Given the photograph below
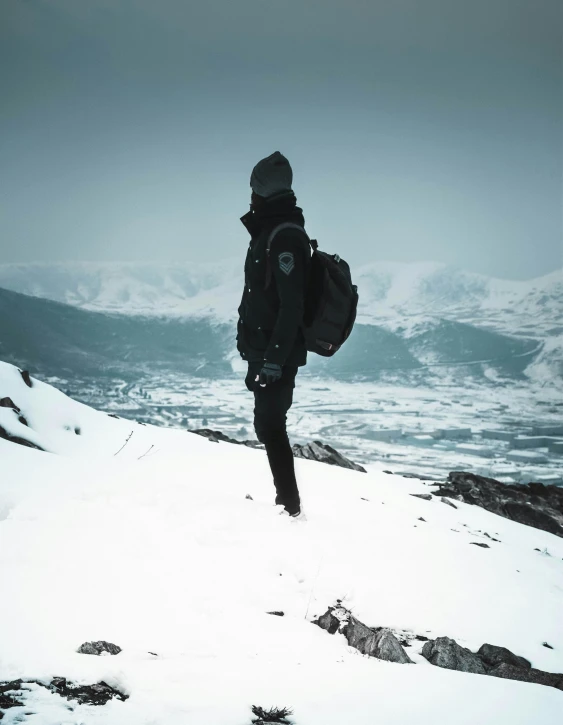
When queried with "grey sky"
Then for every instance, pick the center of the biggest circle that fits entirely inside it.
(417, 129)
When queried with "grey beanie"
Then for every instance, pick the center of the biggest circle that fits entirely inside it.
(271, 176)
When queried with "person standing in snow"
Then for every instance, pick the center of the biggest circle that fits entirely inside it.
(269, 336)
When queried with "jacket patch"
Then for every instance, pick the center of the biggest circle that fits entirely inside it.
(287, 262)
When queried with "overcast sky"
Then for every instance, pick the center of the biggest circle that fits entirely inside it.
(417, 129)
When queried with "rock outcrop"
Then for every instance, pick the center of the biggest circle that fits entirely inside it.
(12, 694)
(377, 642)
(380, 643)
(98, 648)
(216, 435)
(9, 403)
(315, 451)
(97, 694)
(447, 653)
(493, 656)
(9, 692)
(488, 660)
(26, 378)
(524, 674)
(533, 504)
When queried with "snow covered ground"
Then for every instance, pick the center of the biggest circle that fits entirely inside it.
(156, 548)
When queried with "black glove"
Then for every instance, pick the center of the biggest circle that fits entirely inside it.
(270, 373)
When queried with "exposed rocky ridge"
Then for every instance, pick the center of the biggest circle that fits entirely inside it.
(444, 652)
(488, 660)
(377, 642)
(314, 451)
(317, 451)
(533, 504)
(537, 677)
(216, 435)
(447, 653)
(12, 694)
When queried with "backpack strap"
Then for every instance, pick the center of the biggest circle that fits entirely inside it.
(279, 228)
(275, 230)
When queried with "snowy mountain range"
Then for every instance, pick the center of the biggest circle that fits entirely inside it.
(390, 292)
(180, 318)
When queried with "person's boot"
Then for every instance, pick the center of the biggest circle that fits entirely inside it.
(292, 508)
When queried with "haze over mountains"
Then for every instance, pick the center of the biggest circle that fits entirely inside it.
(386, 289)
(116, 317)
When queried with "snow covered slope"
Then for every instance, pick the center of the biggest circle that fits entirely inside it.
(144, 537)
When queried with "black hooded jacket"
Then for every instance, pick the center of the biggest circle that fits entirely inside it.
(271, 310)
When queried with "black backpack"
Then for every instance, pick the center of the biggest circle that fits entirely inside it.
(331, 300)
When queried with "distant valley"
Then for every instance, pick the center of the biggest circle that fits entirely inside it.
(433, 348)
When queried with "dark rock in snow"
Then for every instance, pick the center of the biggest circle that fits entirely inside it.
(96, 648)
(448, 502)
(317, 451)
(545, 644)
(359, 636)
(26, 378)
(215, 436)
(489, 660)
(492, 538)
(492, 656)
(16, 439)
(481, 544)
(389, 648)
(329, 622)
(447, 653)
(424, 496)
(7, 700)
(97, 694)
(277, 614)
(533, 504)
(539, 677)
(9, 403)
(418, 476)
(380, 643)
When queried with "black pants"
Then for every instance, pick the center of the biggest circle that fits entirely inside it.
(271, 404)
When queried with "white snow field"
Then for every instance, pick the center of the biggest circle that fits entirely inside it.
(157, 550)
